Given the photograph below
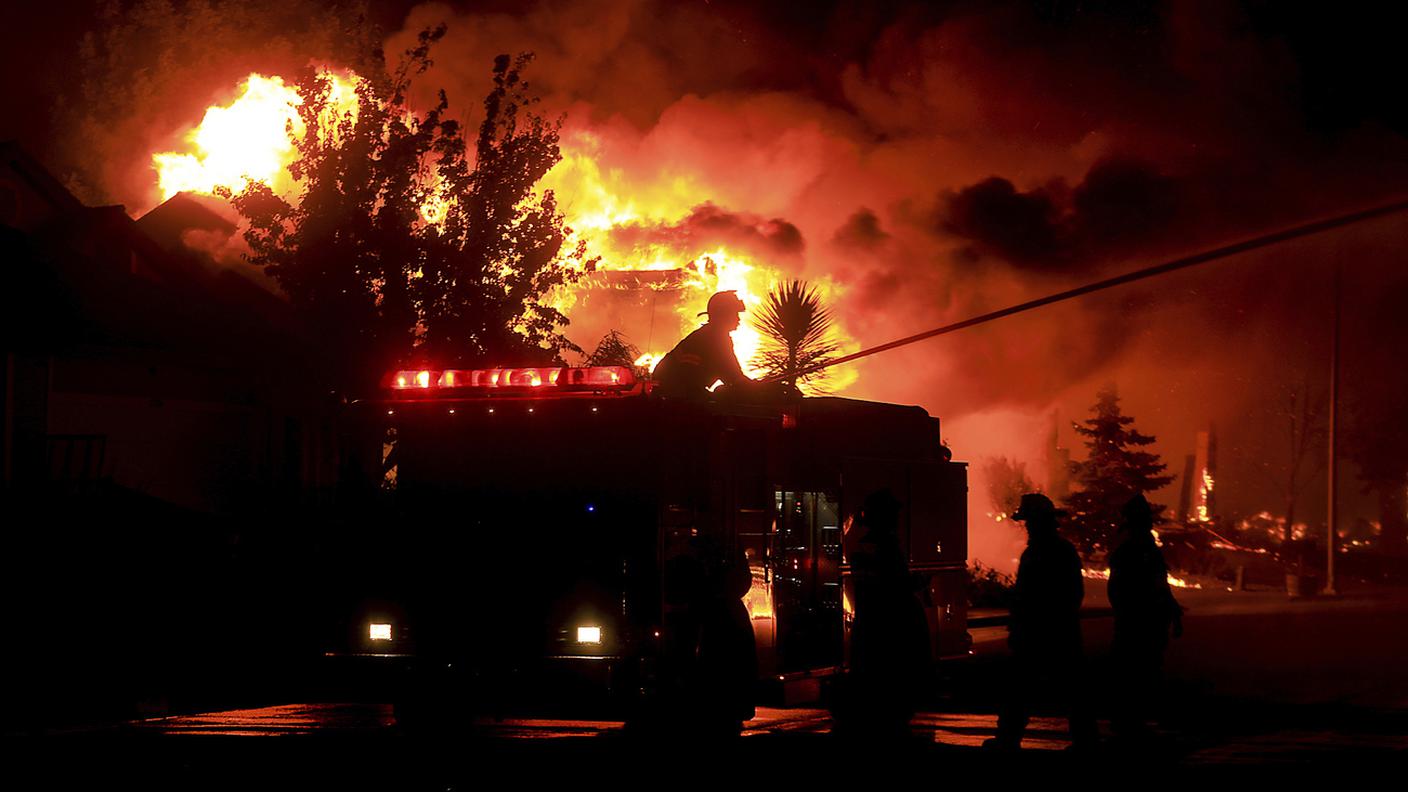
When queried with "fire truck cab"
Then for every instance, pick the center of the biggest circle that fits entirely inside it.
(513, 530)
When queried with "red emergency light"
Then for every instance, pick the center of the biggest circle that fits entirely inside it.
(511, 381)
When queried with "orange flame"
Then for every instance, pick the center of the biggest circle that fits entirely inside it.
(253, 139)
(758, 600)
(1176, 582)
(597, 199)
(250, 139)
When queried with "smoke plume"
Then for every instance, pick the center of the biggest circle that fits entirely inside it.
(935, 162)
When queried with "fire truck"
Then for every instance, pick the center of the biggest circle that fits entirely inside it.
(513, 531)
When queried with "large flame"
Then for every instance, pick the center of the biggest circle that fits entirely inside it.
(597, 200)
(250, 139)
(253, 139)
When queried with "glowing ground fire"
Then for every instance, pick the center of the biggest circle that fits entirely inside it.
(1173, 580)
(252, 139)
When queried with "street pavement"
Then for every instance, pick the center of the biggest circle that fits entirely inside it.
(954, 730)
(1257, 682)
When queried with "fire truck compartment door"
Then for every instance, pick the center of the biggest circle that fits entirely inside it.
(938, 513)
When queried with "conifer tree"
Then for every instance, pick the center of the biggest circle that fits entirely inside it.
(1114, 470)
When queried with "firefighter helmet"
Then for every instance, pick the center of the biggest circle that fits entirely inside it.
(724, 302)
(1034, 505)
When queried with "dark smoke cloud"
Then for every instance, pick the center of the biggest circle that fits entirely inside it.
(708, 227)
(1120, 207)
(861, 232)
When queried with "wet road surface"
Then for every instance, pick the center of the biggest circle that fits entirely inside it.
(1044, 734)
(1256, 683)
(954, 730)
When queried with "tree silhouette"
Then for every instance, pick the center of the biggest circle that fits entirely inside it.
(1306, 431)
(1114, 471)
(402, 243)
(797, 332)
(1007, 482)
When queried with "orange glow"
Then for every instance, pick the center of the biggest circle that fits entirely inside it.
(758, 600)
(1205, 487)
(717, 270)
(597, 199)
(252, 138)
(1104, 574)
(248, 139)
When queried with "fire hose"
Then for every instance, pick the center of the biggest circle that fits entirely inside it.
(1265, 240)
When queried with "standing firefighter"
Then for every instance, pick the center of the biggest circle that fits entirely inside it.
(890, 640)
(1044, 630)
(1145, 610)
(710, 659)
(706, 355)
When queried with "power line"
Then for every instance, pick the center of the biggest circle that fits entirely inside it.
(1266, 240)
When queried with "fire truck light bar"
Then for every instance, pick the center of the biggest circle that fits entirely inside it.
(515, 379)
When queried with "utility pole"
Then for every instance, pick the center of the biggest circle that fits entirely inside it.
(1332, 517)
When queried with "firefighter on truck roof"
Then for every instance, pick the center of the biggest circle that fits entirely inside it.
(706, 355)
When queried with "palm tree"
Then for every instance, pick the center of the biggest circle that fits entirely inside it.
(797, 333)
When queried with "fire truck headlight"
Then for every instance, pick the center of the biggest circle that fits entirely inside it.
(379, 631)
(589, 635)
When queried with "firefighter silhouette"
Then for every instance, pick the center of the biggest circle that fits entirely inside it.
(1145, 611)
(1044, 630)
(706, 355)
(890, 656)
(727, 654)
(710, 654)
